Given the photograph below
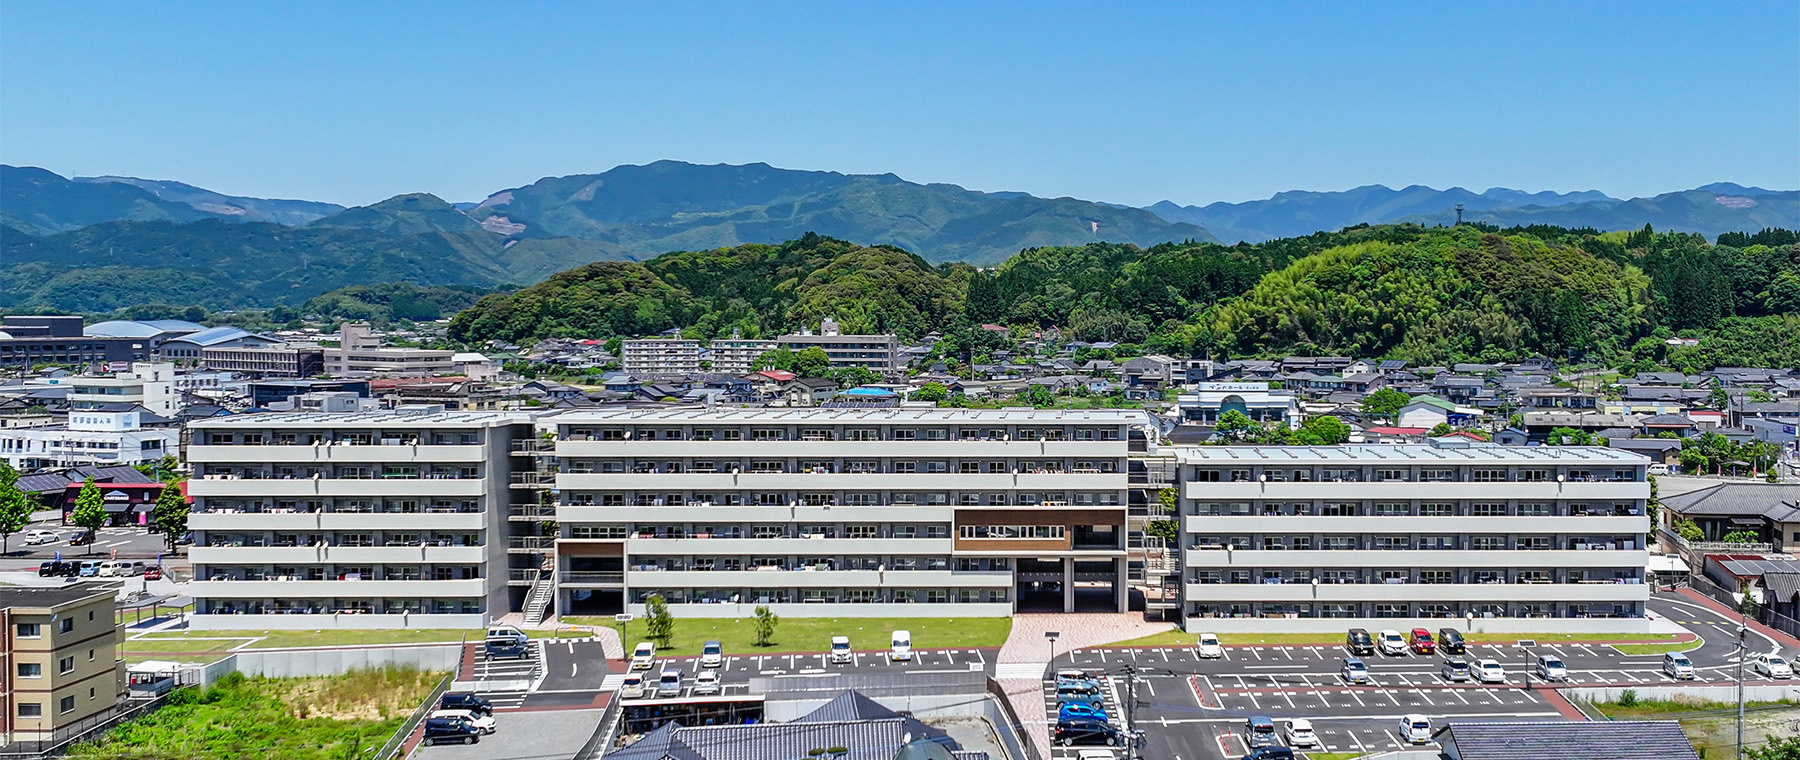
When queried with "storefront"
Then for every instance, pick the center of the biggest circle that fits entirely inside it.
(127, 504)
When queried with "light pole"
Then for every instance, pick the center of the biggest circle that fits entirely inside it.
(1051, 635)
(1743, 628)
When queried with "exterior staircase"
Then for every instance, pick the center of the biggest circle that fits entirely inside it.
(537, 603)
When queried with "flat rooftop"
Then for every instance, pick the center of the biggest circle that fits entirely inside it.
(382, 418)
(1407, 452)
(868, 416)
(46, 597)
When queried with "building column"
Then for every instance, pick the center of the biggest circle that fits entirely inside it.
(1122, 584)
(1068, 564)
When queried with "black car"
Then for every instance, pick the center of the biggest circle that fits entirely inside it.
(59, 569)
(462, 700)
(1450, 641)
(1270, 753)
(82, 539)
(1088, 731)
(454, 730)
(1359, 642)
(505, 650)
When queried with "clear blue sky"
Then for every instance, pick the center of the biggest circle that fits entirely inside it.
(1131, 103)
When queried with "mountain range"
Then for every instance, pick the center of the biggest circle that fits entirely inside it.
(98, 243)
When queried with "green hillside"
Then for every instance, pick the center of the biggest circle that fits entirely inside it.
(42, 201)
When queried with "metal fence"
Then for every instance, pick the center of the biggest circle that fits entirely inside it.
(1764, 615)
(87, 729)
(602, 737)
(392, 748)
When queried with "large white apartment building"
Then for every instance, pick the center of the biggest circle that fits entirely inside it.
(389, 519)
(659, 357)
(1499, 538)
(875, 352)
(147, 384)
(735, 356)
(833, 512)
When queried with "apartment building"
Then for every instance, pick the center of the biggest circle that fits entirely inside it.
(831, 512)
(874, 352)
(735, 356)
(660, 357)
(1500, 538)
(60, 665)
(113, 435)
(370, 519)
(147, 384)
(266, 361)
(360, 354)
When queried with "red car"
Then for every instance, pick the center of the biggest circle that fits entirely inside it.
(153, 573)
(1421, 641)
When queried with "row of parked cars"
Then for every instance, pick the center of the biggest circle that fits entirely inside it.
(460, 718)
(101, 568)
(1081, 717)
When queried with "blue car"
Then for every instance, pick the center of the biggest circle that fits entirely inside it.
(1078, 711)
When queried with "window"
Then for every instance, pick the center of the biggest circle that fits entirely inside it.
(1389, 475)
(30, 670)
(65, 665)
(1487, 543)
(1436, 509)
(33, 709)
(1206, 476)
(90, 655)
(1535, 476)
(1490, 476)
(1390, 509)
(28, 631)
(1437, 576)
(66, 705)
(1437, 476)
(1487, 510)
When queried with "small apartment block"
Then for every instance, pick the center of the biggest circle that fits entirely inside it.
(1500, 538)
(60, 662)
(660, 357)
(388, 519)
(834, 512)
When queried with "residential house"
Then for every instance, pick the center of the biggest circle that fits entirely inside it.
(1660, 450)
(1155, 370)
(808, 391)
(1668, 423)
(1771, 510)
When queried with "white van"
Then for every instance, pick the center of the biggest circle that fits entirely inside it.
(840, 649)
(632, 687)
(505, 634)
(901, 649)
(108, 568)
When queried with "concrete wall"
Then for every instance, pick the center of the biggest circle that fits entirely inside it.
(1622, 626)
(324, 662)
(1723, 694)
(802, 610)
(473, 621)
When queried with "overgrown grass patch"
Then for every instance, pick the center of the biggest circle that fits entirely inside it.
(797, 634)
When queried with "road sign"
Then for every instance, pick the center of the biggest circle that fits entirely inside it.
(1051, 635)
(623, 617)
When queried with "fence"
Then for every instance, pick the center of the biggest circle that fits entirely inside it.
(602, 737)
(1764, 615)
(392, 747)
(88, 728)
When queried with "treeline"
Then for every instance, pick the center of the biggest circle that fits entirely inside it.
(1470, 293)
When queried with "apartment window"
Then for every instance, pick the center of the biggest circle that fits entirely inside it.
(28, 630)
(1437, 576)
(732, 434)
(1338, 611)
(1339, 509)
(1488, 509)
(33, 709)
(859, 499)
(1534, 510)
(66, 705)
(1393, 542)
(1487, 543)
(1338, 543)
(968, 467)
(937, 596)
(1240, 476)
(862, 434)
(1533, 543)
(1436, 509)
(1303, 476)
(1391, 611)
(969, 499)
(65, 665)
(1389, 475)
(1437, 476)
(939, 466)
(1534, 476)
(1437, 542)
(31, 670)
(703, 435)
(1206, 476)
(937, 434)
(1490, 476)
(765, 434)
(1391, 509)
(906, 467)
(862, 531)
(65, 625)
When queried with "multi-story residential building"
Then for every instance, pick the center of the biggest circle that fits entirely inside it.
(28, 341)
(388, 519)
(60, 663)
(1254, 399)
(823, 512)
(147, 384)
(874, 352)
(735, 356)
(266, 361)
(1301, 538)
(660, 357)
(113, 435)
(360, 354)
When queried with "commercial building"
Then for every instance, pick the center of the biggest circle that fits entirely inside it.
(60, 665)
(112, 435)
(360, 354)
(153, 332)
(735, 356)
(831, 512)
(190, 350)
(150, 385)
(1210, 400)
(273, 391)
(27, 341)
(390, 519)
(1304, 538)
(279, 360)
(873, 352)
(660, 357)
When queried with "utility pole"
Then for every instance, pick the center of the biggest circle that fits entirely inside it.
(1743, 628)
(1125, 710)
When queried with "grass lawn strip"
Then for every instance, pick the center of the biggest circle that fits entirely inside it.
(1180, 638)
(797, 634)
(1674, 646)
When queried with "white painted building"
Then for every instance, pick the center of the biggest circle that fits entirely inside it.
(735, 356)
(152, 385)
(360, 354)
(390, 519)
(113, 435)
(842, 512)
(660, 357)
(1325, 538)
(1204, 402)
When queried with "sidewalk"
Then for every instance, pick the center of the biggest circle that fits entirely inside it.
(1715, 605)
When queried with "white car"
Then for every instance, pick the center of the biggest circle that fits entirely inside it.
(1415, 729)
(840, 649)
(706, 682)
(482, 723)
(40, 537)
(1772, 666)
(1300, 733)
(1096, 754)
(712, 655)
(632, 687)
(644, 656)
(1208, 648)
(1489, 671)
(669, 685)
(901, 650)
(1677, 666)
(1392, 643)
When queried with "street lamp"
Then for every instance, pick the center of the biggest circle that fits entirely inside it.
(1051, 635)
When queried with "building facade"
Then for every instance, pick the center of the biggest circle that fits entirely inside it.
(660, 357)
(390, 519)
(1209, 400)
(147, 384)
(28, 341)
(735, 356)
(1325, 538)
(360, 354)
(830, 512)
(97, 437)
(60, 665)
(266, 361)
(873, 352)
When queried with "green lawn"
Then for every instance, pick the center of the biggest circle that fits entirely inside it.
(1673, 646)
(814, 634)
(1178, 638)
(1652, 709)
(143, 646)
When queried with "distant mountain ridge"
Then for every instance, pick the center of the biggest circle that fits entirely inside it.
(279, 211)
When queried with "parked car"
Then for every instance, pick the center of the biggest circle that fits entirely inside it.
(1072, 675)
(1079, 693)
(1677, 666)
(1657, 469)
(1270, 753)
(840, 649)
(632, 687)
(457, 730)
(502, 649)
(1392, 643)
(1300, 733)
(1080, 711)
(131, 568)
(1359, 642)
(1454, 669)
(1354, 671)
(1450, 641)
(41, 537)
(81, 539)
(643, 656)
(1551, 668)
(669, 683)
(1489, 671)
(1072, 732)
(483, 723)
(900, 648)
(1095, 754)
(505, 634)
(1421, 642)
(107, 569)
(90, 568)
(1773, 666)
(462, 700)
(59, 569)
(153, 573)
(712, 654)
(1415, 729)
(1207, 647)
(1259, 731)
(706, 682)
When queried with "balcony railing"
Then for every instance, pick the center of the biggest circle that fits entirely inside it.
(590, 576)
(531, 511)
(530, 542)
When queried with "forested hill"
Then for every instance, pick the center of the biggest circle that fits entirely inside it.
(1403, 291)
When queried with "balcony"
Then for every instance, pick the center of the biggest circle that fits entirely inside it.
(300, 555)
(572, 448)
(1623, 525)
(305, 589)
(223, 520)
(1439, 558)
(1425, 491)
(422, 487)
(591, 578)
(701, 545)
(1417, 592)
(531, 512)
(705, 513)
(335, 452)
(783, 578)
(529, 544)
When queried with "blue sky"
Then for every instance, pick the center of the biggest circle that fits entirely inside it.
(355, 102)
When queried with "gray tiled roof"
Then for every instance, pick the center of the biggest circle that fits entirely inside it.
(849, 720)
(1775, 501)
(1607, 740)
(1782, 586)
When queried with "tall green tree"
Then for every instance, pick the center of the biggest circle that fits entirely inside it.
(765, 625)
(90, 511)
(933, 392)
(1778, 748)
(170, 515)
(15, 506)
(1384, 404)
(1329, 430)
(657, 619)
(1235, 427)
